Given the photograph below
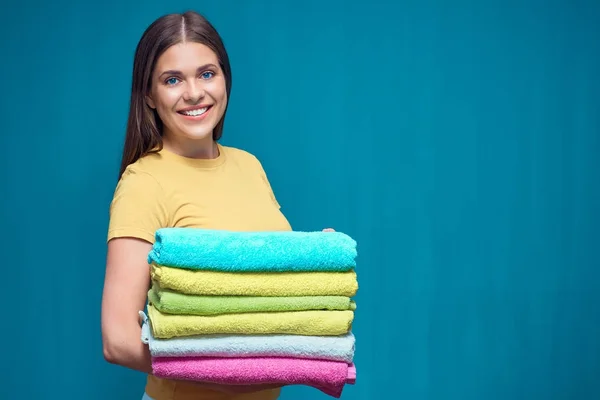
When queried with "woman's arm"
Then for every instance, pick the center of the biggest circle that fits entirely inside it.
(125, 291)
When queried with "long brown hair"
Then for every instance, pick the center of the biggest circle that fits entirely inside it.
(144, 127)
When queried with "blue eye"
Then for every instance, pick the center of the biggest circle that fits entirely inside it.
(171, 81)
(207, 75)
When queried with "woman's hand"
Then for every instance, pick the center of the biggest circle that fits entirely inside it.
(328, 230)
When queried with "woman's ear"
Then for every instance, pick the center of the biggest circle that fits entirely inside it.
(150, 102)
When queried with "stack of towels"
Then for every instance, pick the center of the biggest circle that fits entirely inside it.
(252, 308)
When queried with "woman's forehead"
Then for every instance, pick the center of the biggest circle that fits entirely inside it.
(186, 56)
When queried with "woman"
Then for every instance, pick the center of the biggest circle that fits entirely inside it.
(175, 174)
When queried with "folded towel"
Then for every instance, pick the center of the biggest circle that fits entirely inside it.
(332, 348)
(171, 302)
(326, 376)
(311, 323)
(255, 283)
(219, 250)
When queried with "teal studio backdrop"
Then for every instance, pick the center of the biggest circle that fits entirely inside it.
(456, 141)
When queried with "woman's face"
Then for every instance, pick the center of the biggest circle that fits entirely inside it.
(188, 92)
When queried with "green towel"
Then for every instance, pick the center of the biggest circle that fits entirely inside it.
(172, 302)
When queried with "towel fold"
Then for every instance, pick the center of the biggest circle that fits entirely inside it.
(172, 302)
(220, 250)
(326, 376)
(255, 283)
(332, 348)
(310, 323)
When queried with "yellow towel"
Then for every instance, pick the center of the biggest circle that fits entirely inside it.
(307, 323)
(255, 283)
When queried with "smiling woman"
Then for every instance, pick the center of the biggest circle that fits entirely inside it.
(189, 99)
(180, 65)
(174, 173)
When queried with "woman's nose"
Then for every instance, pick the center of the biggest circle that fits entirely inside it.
(194, 92)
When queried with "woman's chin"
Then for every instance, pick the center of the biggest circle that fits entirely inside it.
(195, 134)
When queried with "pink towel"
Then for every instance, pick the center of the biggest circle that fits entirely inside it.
(327, 376)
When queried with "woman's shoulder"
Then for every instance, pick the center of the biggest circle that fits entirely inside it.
(149, 164)
(238, 152)
(142, 172)
(240, 155)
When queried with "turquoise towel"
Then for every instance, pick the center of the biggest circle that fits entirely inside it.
(281, 251)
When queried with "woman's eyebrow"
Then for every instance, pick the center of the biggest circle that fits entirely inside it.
(176, 72)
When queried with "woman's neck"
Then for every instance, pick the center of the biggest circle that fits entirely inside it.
(204, 148)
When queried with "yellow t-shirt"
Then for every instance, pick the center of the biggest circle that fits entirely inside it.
(229, 192)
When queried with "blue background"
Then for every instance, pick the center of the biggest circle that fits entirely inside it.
(456, 141)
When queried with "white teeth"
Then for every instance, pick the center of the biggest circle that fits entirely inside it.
(195, 113)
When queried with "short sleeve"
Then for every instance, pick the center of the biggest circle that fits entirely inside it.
(267, 184)
(137, 208)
